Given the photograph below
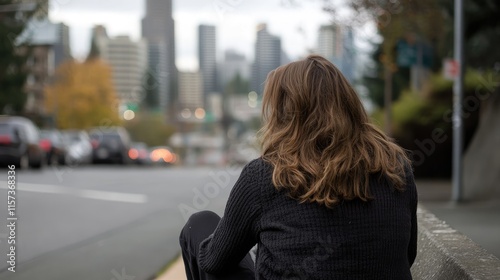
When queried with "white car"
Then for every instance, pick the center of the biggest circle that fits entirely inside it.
(79, 147)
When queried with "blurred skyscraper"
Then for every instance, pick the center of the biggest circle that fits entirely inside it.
(158, 28)
(349, 61)
(207, 60)
(329, 42)
(336, 43)
(190, 91)
(234, 64)
(128, 61)
(268, 56)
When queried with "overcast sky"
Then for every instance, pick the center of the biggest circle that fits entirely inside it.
(236, 22)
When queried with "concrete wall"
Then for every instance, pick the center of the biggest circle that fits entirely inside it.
(482, 158)
(443, 253)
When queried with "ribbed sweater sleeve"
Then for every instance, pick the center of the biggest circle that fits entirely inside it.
(237, 231)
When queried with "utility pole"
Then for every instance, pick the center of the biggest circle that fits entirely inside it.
(457, 103)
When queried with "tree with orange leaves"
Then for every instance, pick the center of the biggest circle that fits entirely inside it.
(82, 95)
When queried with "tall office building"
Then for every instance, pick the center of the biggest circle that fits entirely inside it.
(128, 63)
(329, 42)
(349, 55)
(207, 60)
(158, 28)
(190, 90)
(336, 43)
(267, 57)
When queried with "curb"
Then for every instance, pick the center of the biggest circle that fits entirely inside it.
(175, 272)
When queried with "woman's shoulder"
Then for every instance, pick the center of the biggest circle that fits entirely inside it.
(257, 165)
(258, 174)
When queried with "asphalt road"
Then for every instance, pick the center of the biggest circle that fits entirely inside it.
(104, 222)
(122, 223)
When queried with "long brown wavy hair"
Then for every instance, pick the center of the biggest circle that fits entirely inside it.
(319, 139)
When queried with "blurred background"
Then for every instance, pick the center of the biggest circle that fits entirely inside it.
(124, 117)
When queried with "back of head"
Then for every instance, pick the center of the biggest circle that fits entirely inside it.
(318, 136)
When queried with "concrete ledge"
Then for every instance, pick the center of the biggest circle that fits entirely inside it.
(443, 253)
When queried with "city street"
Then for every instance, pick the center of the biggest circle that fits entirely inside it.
(105, 222)
(122, 223)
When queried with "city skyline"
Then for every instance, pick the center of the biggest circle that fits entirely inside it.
(235, 25)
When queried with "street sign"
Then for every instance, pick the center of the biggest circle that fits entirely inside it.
(406, 54)
(132, 107)
(415, 53)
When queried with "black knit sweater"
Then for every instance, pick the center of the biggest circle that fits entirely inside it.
(353, 240)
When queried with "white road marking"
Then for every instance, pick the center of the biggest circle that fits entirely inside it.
(90, 194)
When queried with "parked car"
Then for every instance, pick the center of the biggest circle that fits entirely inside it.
(19, 144)
(139, 153)
(52, 142)
(110, 145)
(79, 148)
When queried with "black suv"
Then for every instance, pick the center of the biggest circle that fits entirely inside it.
(110, 145)
(19, 143)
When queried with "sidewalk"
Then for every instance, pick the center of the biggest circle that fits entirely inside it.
(479, 220)
(175, 272)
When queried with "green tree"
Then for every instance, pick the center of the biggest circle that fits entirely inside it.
(13, 56)
(373, 79)
(149, 128)
(237, 85)
(482, 31)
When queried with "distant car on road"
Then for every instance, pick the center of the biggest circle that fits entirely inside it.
(79, 146)
(139, 153)
(52, 142)
(19, 144)
(110, 145)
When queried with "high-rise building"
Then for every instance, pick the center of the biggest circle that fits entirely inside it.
(349, 61)
(267, 57)
(157, 68)
(190, 91)
(207, 60)
(49, 47)
(329, 42)
(128, 61)
(158, 28)
(234, 64)
(336, 43)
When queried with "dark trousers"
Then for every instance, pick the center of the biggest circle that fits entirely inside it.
(199, 226)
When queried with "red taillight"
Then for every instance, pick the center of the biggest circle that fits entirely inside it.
(5, 139)
(133, 154)
(45, 145)
(94, 143)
